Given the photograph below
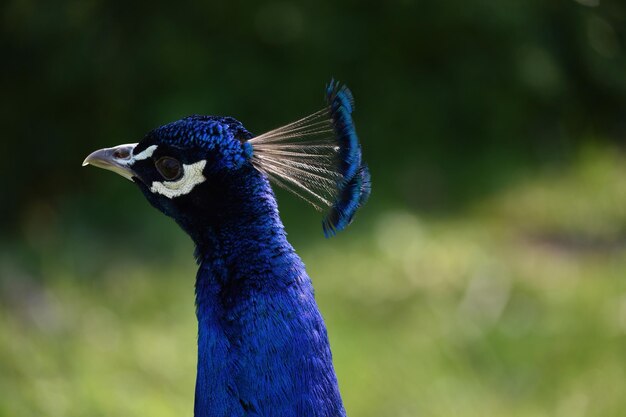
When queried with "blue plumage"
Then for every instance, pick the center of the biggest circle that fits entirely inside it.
(340, 107)
(354, 186)
(210, 133)
(353, 195)
(319, 158)
(262, 343)
(263, 348)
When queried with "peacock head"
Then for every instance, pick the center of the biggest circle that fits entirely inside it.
(179, 166)
(199, 169)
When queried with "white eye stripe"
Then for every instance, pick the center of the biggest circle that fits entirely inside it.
(192, 176)
(145, 154)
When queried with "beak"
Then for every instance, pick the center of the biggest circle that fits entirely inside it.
(117, 159)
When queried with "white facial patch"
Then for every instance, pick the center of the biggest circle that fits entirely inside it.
(192, 176)
(145, 154)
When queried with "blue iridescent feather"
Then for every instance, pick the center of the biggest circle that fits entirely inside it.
(355, 185)
(319, 159)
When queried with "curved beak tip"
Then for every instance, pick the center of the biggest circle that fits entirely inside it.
(109, 159)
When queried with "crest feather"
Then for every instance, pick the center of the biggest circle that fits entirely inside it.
(318, 158)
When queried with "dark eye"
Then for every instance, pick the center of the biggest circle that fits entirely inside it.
(169, 168)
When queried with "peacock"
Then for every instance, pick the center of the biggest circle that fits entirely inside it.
(263, 348)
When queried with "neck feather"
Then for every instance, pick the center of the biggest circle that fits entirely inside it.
(262, 344)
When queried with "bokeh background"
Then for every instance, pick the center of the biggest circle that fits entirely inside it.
(485, 277)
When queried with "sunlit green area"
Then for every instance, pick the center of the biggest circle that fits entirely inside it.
(516, 307)
(485, 277)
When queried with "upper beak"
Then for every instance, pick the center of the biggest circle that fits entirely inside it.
(117, 159)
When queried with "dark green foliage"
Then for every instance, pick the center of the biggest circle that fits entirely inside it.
(454, 97)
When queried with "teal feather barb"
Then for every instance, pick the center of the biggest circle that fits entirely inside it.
(319, 159)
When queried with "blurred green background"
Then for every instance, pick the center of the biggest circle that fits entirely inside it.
(486, 276)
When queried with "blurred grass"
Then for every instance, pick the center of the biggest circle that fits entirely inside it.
(515, 307)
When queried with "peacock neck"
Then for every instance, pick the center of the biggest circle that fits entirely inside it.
(245, 237)
(262, 344)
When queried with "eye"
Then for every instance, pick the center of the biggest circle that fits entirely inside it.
(169, 168)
